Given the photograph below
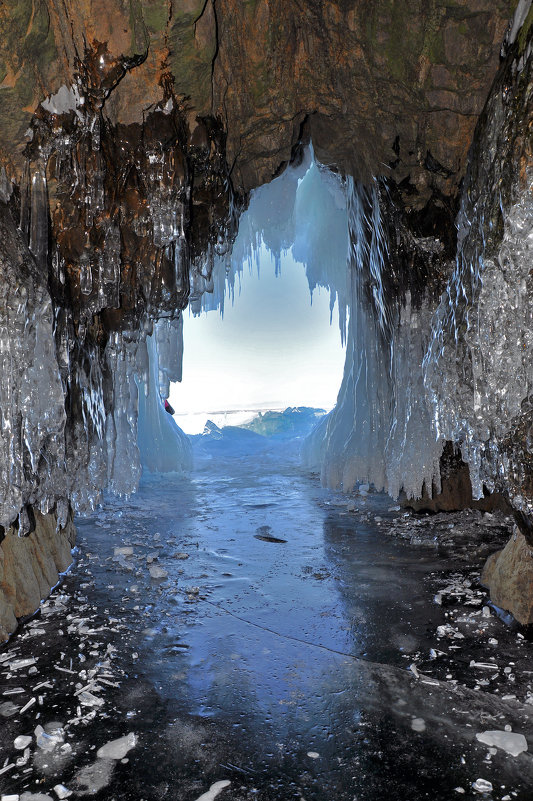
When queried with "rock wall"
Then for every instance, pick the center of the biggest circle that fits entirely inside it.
(30, 567)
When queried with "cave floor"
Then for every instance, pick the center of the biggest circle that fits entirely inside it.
(244, 626)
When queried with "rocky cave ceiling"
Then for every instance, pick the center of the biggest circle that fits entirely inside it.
(392, 87)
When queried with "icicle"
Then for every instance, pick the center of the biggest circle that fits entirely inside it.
(39, 217)
(6, 187)
(86, 276)
(163, 445)
(24, 524)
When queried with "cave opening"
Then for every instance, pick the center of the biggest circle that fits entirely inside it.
(266, 328)
(281, 618)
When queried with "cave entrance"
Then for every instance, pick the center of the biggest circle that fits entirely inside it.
(270, 350)
(261, 334)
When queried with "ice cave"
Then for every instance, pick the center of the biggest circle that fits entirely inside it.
(322, 593)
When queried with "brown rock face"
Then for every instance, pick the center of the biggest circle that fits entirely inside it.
(387, 88)
(390, 88)
(509, 576)
(30, 567)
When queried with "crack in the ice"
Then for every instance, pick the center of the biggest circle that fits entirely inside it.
(284, 636)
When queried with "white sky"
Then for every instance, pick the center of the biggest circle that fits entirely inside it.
(271, 350)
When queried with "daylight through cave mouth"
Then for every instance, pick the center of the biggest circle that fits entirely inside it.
(341, 236)
(262, 330)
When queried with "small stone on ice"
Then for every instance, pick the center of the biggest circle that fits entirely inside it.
(482, 786)
(117, 749)
(22, 741)
(313, 754)
(418, 724)
(508, 741)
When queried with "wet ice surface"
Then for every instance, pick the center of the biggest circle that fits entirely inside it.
(292, 643)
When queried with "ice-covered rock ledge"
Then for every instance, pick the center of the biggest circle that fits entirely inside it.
(30, 567)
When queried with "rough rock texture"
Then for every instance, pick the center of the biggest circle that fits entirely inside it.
(390, 87)
(30, 567)
(509, 576)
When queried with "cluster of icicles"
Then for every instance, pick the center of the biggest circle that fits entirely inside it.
(405, 388)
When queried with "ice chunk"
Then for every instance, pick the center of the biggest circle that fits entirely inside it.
(214, 790)
(157, 572)
(18, 664)
(482, 786)
(117, 749)
(27, 796)
(22, 741)
(93, 778)
(61, 791)
(88, 699)
(48, 741)
(125, 550)
(511, 742)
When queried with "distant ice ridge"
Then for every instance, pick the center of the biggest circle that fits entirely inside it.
(381, 430)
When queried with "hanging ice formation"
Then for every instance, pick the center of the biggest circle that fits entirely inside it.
(303, 212)
(380, 430)
(86, 271)
(163, 445)
(479, 366)
(461, 369)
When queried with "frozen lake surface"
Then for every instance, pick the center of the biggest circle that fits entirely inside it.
(245, 634)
